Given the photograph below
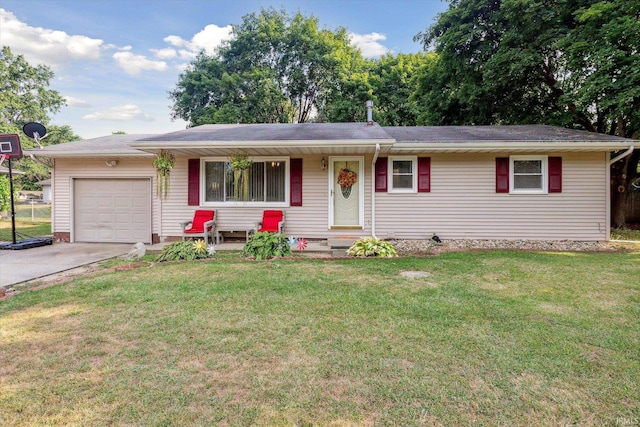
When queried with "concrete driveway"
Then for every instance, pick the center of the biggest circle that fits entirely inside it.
(29, 264)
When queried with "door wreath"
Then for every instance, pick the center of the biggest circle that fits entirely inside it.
(346, 179)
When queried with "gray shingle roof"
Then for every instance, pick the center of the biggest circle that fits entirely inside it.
(277, 132)
(295, 135)
(520, 133)
(104, 145)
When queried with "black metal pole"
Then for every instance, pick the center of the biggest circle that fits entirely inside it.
(13, 208)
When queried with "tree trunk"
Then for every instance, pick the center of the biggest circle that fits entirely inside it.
(618, 208)
(623, 173)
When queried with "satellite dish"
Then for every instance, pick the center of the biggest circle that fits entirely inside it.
(35, 130)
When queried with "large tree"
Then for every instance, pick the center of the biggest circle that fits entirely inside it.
(573, 63)
(276, 68)
(388, 81)
(25, 97)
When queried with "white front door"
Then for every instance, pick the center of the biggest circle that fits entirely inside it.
(346, 192)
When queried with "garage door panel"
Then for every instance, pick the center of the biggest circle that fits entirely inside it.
(138, 203)
(139, 219)
(112, 210)
(123, 202)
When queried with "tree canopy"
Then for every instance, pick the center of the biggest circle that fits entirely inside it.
(26, 97)
(574, 63)
(276, 69)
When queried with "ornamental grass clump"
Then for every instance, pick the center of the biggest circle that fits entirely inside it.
(266, 246)
(372, 247)
(189, 250)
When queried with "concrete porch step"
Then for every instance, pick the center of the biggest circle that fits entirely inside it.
(341, 242)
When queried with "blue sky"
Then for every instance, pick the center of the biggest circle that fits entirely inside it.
(116, 60)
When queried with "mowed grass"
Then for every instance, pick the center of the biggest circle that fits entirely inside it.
(34, 223)
(486, 338)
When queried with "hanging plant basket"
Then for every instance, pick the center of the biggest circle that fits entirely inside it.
(163, 163)
(240, 163)
(346, 179)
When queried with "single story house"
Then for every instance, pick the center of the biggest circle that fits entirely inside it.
(341, 179)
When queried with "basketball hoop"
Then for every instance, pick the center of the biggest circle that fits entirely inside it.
(10, 146)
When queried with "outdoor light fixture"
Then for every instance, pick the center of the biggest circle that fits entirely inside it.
(275, 164)
(324, 163)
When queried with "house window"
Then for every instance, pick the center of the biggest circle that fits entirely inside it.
(403, 174)
(528, 174)
(266, 182)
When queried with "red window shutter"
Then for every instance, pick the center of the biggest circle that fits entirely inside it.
(502, 174)
(424, 174)
(295, 185)
(381, 175)
(193, 186)
(555, 174)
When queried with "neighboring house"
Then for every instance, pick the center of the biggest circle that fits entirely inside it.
(46, 190)
(476, 182)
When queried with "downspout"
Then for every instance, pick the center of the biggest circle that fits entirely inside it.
(373, 191)
(622, 156)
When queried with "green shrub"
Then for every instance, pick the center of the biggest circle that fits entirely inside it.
(188, 250)
(371, 246)
(266, 246)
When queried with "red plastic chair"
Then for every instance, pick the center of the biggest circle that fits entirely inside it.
(203, 224)
(272, 222)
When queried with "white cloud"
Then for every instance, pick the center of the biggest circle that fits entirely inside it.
(166, 53)
(369, 44)
(77, 102)
(122, 113)
(208, 40)
(176, 41)
(45, 46)
(134, 64)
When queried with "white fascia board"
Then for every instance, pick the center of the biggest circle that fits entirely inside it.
(85, 154)
(452, 147)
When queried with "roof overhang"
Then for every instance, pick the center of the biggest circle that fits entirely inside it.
(502, 146)
(266, 148)
(53, 154)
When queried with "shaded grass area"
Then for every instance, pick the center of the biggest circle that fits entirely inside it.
(625, 235)
(493, 338)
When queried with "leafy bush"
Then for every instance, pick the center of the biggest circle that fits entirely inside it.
(371, 246)
(188, 250)
(266, 245)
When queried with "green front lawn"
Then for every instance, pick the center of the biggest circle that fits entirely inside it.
(487, 338)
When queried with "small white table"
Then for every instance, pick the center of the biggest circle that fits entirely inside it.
(220, 236)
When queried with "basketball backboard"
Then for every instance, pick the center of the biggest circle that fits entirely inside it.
(10, 146)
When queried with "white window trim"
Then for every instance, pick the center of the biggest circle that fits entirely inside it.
(545, 175)
(287, 182)
(414, 169)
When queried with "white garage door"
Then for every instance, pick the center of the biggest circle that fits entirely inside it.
(112, 210)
